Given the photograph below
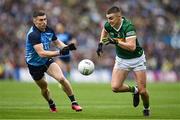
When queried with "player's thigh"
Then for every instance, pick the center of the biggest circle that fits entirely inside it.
(55, 71)
(60, 63)
(140, 77)
(42, 83)
(64, 60)
(118, 77)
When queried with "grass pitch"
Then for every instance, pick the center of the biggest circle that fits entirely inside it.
(23, 101)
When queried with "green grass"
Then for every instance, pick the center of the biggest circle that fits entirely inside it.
(23, 101)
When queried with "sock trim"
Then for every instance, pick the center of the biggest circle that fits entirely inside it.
(135, 90)
(74, 101)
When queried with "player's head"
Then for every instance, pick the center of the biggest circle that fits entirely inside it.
(113, 15)
(40, 19)
(60, 28)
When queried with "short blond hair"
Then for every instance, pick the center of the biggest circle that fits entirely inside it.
(113, 9)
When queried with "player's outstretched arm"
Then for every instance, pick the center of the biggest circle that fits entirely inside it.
(67, 48)
(59, 44)
(45, 53)
(104, 35)
(64, 49)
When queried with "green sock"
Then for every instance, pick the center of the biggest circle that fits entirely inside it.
(131, 89)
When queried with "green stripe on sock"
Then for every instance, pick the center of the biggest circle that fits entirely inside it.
(131, 89)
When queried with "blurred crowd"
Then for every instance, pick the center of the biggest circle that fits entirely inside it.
(157, 23)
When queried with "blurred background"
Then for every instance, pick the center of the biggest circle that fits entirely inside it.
(157, 23)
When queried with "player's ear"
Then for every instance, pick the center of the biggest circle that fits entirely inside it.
(34, 20)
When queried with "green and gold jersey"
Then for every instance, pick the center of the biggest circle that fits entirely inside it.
(125, 30)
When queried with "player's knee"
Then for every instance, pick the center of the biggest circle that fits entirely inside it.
(44, 86)
(142, 91)
(115, 89)
(61, 79)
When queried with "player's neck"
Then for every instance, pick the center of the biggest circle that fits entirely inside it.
(42, 29)
(117, 26)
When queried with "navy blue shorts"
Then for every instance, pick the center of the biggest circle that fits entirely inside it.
(37, 72)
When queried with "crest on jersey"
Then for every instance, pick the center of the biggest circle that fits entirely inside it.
(111, 34)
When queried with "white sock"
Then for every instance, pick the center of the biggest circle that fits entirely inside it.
(136, 90)
(146, 108)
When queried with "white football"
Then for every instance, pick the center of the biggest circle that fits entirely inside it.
(86, 67)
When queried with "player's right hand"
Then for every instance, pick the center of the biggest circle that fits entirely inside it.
(99, 50)
(112, 41)
(105, 41)
(108, 41)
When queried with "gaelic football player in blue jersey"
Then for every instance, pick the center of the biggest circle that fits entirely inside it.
(39, 58)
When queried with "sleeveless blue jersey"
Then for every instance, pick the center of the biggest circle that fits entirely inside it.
(33, 37)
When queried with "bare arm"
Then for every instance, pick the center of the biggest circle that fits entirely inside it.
(104, 34)
(59, 44)
(129, 44)
(43, 53)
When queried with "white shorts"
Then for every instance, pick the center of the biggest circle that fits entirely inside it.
(135, 64)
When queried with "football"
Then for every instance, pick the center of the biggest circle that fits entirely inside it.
(86, 67)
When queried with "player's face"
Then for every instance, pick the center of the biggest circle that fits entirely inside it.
(113, 19)
(60, 28)
(41, 22)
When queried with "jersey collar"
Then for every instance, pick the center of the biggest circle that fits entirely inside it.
(39, 29)
(120, 25)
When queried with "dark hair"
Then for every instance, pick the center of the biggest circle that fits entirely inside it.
(113, 9)
(38, 13)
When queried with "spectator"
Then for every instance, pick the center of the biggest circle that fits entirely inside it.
(157, 23)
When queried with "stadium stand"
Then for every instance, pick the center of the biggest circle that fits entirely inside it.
(157, 23)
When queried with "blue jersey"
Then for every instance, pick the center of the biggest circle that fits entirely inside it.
(65, 38)
(35, 36)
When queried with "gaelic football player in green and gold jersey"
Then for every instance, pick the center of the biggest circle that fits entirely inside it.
(129, 56)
